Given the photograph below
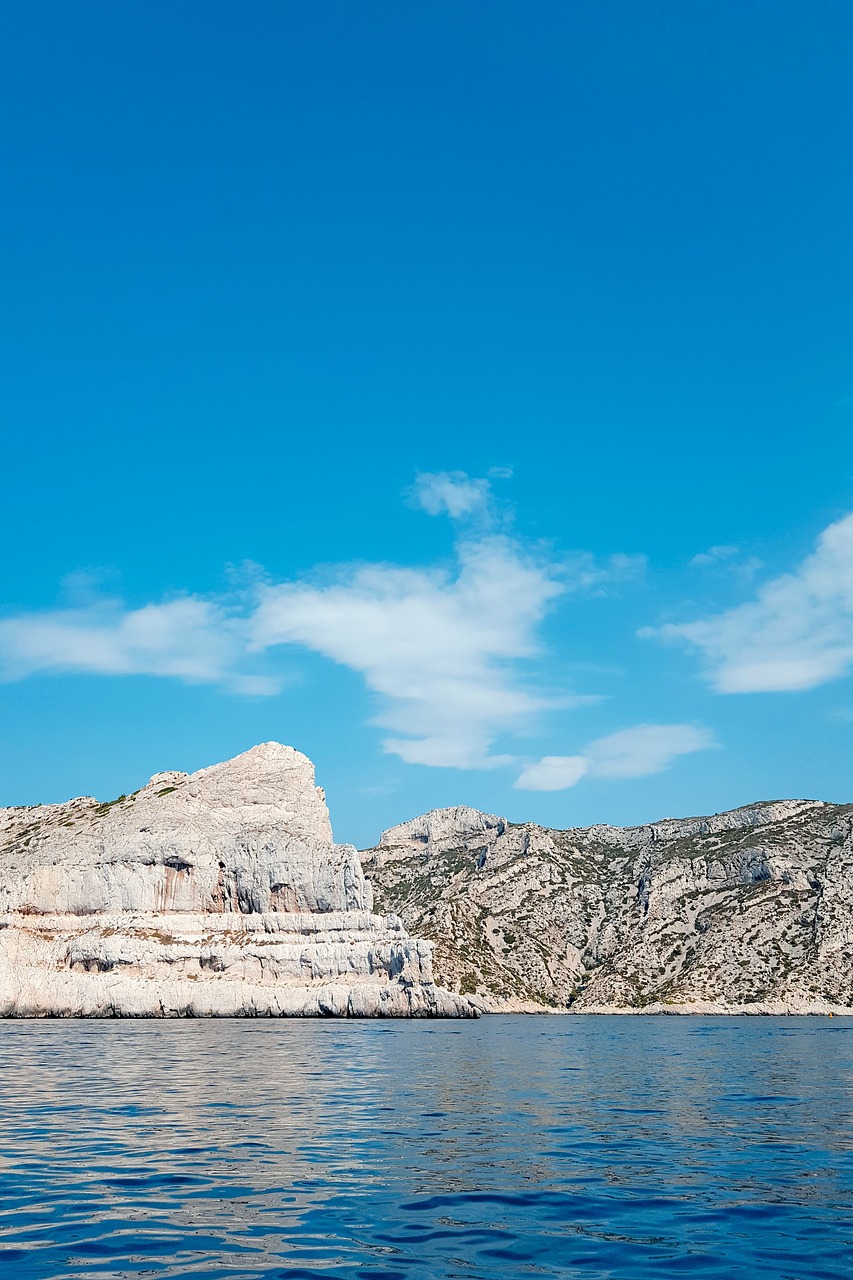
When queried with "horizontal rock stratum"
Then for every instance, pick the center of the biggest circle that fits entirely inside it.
(214, 893)
(749, 911)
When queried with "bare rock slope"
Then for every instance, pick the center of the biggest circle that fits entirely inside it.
(744, 912)
(215, 893)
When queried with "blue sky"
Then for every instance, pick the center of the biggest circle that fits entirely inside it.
(461, 393)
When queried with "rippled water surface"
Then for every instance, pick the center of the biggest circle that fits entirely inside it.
(508, 1147)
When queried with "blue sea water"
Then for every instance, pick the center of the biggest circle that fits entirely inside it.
(509, 1147)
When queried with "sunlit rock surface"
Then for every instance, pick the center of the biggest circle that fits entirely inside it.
(749, 911)
(215, 893)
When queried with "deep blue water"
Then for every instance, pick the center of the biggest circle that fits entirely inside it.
(509, 1147)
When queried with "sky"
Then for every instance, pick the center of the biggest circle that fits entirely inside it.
(460, 393)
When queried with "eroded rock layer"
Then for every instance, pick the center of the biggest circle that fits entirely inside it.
(748, 911)
(215, 893)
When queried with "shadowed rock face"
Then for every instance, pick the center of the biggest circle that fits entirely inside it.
(216, 892)
(747, 911)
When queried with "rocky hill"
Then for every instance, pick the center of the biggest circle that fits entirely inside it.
(223, 892)
(749, 911)
(219, 892)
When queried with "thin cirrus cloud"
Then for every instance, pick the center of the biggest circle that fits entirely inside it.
(447, 650)
(796, 633)
(637, 752)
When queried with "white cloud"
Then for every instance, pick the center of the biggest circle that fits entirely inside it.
(190, 638)
(442, 649)
(644, 749)
(728, 559)
(797, 633)
(447, 651)
(714, 555)
(637, 752)
(587, 572)
(552, 773)
(451, 493)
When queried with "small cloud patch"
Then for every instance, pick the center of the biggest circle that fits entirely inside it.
(637, 752)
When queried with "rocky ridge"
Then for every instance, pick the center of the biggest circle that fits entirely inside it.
(749, 911)
(215, 893)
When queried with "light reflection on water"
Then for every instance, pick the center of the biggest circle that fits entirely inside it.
(510, 1147)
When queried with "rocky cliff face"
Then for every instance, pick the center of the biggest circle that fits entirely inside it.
(747, 911)
(219, 892)
(222, 892)
(251, 835)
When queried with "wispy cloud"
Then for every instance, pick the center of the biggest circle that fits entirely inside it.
(713, 556)
(444, 649)
(451, 493)
(728, 559)
(637, 752)
(552, 773)
(449, 650)
(796, 634)
(192, 639)
(645, 749)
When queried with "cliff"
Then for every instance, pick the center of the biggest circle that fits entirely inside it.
(219, 892)
(223, 893)
(749, 911)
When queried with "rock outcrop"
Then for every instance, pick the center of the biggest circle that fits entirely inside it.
(744, 912)
(215, 893)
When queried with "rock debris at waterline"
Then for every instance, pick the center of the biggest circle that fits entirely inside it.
(219, 893)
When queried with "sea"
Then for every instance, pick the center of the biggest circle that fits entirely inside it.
(398, 1150)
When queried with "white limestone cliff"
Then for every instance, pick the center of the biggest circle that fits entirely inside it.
(219, 892)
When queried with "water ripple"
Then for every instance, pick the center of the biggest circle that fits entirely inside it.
(512, 1147)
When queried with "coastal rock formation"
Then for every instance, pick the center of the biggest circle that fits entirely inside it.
(223, 893)
(749, 911)
(218, 892)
